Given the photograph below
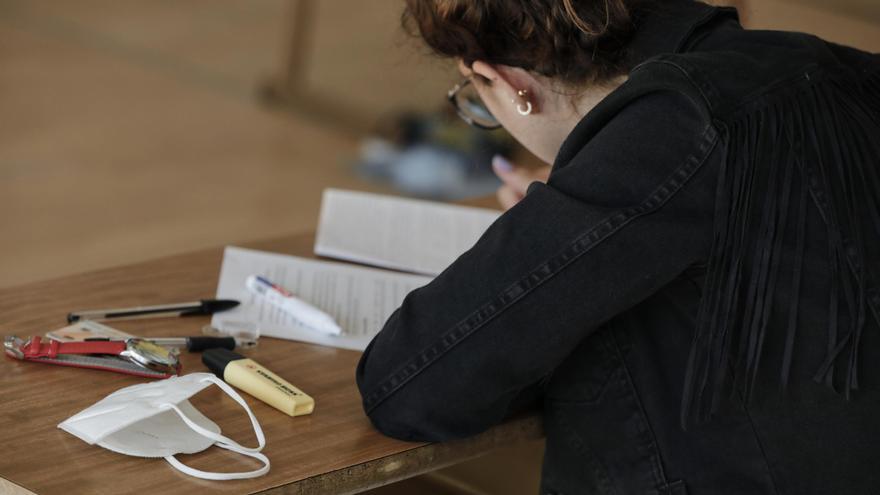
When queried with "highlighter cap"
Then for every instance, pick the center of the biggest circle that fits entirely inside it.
(216, 359)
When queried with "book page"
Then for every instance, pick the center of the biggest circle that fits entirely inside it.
(359, 299)
(403, 234)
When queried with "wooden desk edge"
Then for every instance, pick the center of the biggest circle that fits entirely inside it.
(416, 461)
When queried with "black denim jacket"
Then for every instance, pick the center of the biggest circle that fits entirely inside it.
(693, 295)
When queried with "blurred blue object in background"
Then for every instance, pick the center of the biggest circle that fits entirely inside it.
(433, 156)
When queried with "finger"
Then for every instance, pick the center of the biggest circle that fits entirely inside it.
(507, 197)
(517, 178)
(542, 173)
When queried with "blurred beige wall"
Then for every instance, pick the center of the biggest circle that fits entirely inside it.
(359, 65)
(361, 52)
(351, 61)
(849, 22)
(130, 130)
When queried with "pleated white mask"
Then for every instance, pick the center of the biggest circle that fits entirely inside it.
(157, 420)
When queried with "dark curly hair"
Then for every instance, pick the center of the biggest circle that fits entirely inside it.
(575, 41)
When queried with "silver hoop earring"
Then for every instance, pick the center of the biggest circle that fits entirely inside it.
(519, 108)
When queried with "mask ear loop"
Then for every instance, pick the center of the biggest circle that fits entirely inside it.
(223, 441)
(209, 475)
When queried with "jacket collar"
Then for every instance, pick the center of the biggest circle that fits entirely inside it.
(667, 29)
(670, 27)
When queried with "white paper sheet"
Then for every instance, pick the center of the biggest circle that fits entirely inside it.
(404, 234)
(360, 299)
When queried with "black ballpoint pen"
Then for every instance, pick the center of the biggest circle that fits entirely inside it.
(192, 344)
(203, 307)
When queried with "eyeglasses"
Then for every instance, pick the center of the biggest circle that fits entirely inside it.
(470, 107)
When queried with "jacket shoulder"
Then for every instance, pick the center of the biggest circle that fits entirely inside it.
(736, 71)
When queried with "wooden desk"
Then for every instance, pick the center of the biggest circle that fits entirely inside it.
(334, 450)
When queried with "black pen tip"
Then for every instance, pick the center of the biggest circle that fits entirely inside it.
(211, 306)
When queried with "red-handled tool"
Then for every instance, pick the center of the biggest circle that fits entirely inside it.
(133, 356)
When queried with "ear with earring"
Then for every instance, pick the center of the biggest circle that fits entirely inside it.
(523, 110)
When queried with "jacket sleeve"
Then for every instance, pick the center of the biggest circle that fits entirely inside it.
(625, 216)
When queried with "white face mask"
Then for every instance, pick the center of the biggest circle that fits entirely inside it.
(156, 420)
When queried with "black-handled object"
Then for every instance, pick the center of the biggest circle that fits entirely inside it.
(194, 308)
(192, 344)
(198, 344)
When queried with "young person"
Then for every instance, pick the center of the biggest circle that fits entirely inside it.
(693, 296)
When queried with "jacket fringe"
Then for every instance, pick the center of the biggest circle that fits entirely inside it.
(821, 143)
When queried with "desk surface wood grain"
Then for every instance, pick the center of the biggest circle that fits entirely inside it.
(334, 450)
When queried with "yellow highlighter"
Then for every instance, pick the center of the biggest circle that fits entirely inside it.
(246, 374)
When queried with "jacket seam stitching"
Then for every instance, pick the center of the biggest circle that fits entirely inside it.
(760, 447)
(657, 467)
(707, 92)
(595, 463)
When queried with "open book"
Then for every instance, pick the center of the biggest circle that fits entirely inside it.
(403, 234)
(398, 233)
(360, 299)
